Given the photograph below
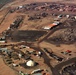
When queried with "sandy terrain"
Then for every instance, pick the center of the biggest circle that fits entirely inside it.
(58, 50)
(30, 25)
(5, 70)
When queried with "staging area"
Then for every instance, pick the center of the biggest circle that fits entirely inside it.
(38, 38)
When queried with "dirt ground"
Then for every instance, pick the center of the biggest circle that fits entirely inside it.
(58, 49)
(33, 25)
(4, 69)
(26, 24)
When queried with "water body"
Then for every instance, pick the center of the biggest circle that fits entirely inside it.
(3, 2)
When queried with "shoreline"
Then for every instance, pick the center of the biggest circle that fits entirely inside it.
(5, 3)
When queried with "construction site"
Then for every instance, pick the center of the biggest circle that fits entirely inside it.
(38, 38)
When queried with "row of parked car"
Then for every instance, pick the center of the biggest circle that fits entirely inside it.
(53, 55)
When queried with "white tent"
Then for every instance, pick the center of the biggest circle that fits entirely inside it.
(30, 63)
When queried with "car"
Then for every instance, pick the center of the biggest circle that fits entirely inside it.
(68, 51)
(45, 49)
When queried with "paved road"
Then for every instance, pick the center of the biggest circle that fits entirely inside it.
(59, 66)
(46, 58)
(47, 61)
(55, 70)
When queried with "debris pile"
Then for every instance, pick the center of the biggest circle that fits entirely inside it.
(67, 36)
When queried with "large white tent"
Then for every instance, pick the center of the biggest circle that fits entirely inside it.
(30, 63)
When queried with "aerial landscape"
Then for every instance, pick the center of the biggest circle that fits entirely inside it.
(37, 37)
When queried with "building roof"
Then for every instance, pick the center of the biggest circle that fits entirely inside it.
(30, 63)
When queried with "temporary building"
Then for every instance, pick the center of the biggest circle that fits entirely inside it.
(56, 23)
(49, 26)
(67, 16)
(52, 25)
(30, 63)
(20, 7)
(2, 41)
(75, 17)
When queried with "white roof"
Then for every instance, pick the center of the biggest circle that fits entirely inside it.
(20, 6)
(30, 63)
(47, 27)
